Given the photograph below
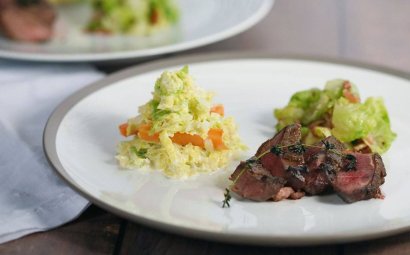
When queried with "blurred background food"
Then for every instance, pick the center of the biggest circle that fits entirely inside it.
(141, 17)
(33, 20)
(65, 1)
(27, 20)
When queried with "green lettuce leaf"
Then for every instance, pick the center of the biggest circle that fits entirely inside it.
(310, 105)
(368, 121)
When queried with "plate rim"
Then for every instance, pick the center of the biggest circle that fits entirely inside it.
(263, 10)
(54, 121)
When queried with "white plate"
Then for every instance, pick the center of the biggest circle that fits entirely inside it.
(202, 23)
(81, 137)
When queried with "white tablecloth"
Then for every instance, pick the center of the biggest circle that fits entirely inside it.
(32, 197)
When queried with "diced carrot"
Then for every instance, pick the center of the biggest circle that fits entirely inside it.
(219, 108)
(127, 130)
(215, 135)
(144, 133)
(123, 129)
(184, 139)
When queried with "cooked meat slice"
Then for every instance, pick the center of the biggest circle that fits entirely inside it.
(43, 11)
(27, 23)
(5, 3)
(358, 181)
(287, 164)
(290, 134)
(283, 168)
(316, 181)
(287, 192)
(301, 170)
(297, 195)
(254, 182)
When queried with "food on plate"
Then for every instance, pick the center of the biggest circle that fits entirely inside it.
(139, 17)
(337, 110)
(179, 131)
(27, 20)
(284, 168)
(33, 20)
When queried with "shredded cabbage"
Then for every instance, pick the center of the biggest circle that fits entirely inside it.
(179, 105)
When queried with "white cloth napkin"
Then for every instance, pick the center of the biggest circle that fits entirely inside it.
(32, 197)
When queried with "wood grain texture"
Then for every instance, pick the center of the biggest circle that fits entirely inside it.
(397, 245)
(142, 240)
(95, 232)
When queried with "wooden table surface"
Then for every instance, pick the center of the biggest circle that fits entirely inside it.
(373, 31)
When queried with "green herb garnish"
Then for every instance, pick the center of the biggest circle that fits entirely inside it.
(297, 148)
(140, 153)
(328, 145)
(276, 150)
(352, 161)
(228, 197)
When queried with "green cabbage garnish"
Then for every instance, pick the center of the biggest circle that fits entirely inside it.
(310, 105)
(368, 121)
(329, 111)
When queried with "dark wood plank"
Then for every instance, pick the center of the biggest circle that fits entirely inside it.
(397, 245)
(95, 232)
(143, 240)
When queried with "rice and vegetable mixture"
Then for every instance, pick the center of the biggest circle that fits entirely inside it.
(179, 131)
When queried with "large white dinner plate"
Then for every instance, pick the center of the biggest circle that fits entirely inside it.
(81, 136)
(202, 22)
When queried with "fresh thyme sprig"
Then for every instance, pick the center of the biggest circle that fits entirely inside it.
(276, 150)
(297, 148)
(227, 194)
(328, 146)
(228, 197)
